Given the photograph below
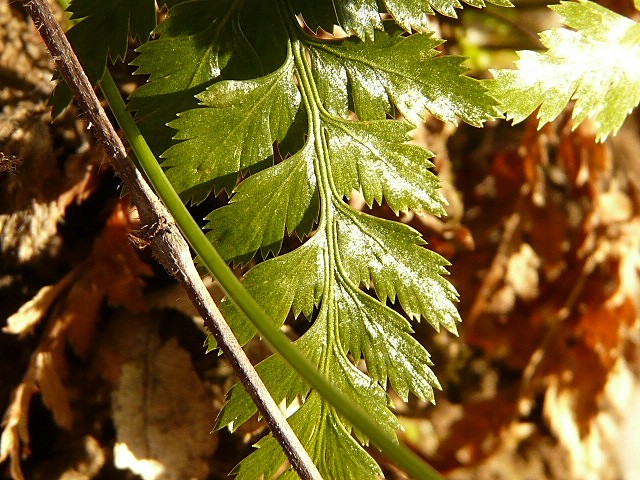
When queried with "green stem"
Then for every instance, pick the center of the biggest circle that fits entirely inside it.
(236, 292)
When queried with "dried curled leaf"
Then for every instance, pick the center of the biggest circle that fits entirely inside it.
(158, 434)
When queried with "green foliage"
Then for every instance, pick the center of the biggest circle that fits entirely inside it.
(597, 64)
(285, 195)
(353, 267)
(362, 17)
(200, 42)
(371, 77)
(102, 30)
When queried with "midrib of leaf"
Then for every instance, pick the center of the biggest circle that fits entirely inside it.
(313, 106)
(330, 202)
(331, 355)
(330, 197)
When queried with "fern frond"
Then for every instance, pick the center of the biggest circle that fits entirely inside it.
(288, 133)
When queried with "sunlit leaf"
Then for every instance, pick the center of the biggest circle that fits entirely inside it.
(371, 78)
(235, 133)
(596, 63)
(200, 42)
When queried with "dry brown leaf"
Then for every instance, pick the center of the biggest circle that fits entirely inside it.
(628, 442)
(470, 433)
(161, 409)
(625, 250)
(585, 162)
(89, 466)
(21, 52)
(523, 454)
(115, 264)
(113, 272)
(31, 313)
(46, 368)
(28, 233)
(592, 455)
(14, 442)
(522, 272)
(554, 310)
(29, 226)
(49, 369)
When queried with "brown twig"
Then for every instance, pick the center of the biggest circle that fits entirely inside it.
(167, 243)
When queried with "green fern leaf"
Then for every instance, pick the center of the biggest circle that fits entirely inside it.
(351, 265)
(355, 17)
(411, 13)
(596, 64)
(357, 323)
(371, 157)
(325, 435)
(293, 281)
(382, 336)
(371, 77)
(103, 31)
(235, 133)
(362, 18)
(200, 42)
(388, 254)
(284, 197)
(322, 432)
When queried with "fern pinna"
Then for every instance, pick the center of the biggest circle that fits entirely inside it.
(250, 82)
